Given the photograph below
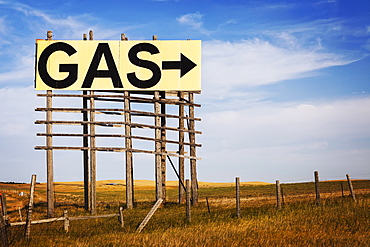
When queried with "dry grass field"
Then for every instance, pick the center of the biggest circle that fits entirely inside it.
(339, 221)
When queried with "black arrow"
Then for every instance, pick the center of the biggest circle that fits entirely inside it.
(184, 65)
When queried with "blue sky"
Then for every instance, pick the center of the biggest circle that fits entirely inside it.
(285, 84)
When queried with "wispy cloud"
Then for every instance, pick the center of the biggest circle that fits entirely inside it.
(257, 62)
(194, 20)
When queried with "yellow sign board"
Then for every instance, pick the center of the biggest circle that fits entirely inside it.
(118, 65)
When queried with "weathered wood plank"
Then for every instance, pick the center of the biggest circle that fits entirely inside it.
(129, 163)
(92, 157)
(114, 135)
(193, 162)
(158, 167)
(115, 124)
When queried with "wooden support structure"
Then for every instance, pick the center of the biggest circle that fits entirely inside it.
(158, 158)
(92, 158)
(181, 149)
(86, 162)
(85, 143)
(90, 132)
(49, 152)
(163, 146)
(193, 162)
(129, 160)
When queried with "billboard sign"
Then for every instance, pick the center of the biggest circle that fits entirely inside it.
(118, 65)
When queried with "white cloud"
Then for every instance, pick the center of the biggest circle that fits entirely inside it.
(285, 136)
(257, 62)
(193, 20)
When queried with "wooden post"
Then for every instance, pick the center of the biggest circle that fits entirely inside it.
(278, 195)
(341, 187)
(352, 192)
(163, 146)
(66, 221)
(92, 156)
(193, 162)
(162, 178)
(30, 207)
(181, 148)
(3, 232)
(123, 37)
(49, 151)
(3, 207)
(188, 204)
(85, 143)
(318, 200)
(149, 215)
(121, 220)
(86, 164)
(208, 207)
(49, 157)
(20, 214)
(129, 165)
(91, 35)
(158, 158)
(237, 186)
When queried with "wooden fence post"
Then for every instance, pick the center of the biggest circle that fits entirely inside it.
(121, 217)
(278, 195)
(351, 187)
(237, 186)
(3, 207)
(20, 214)
(209, 209)
(66, 221)
(3, 232)
(188, 205)
(30, 207)
(318, 200)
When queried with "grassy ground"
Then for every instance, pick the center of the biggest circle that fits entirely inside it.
(337, 222)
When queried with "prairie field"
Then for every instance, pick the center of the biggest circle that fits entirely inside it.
(338, 221)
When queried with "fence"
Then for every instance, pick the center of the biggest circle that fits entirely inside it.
(236, 201)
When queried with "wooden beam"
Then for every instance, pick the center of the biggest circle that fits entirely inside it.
(115, 135)
(158, 167)
(92, 158)
(49, 160)
(114, 124)
(117, 111)
(129, 163)
(133, 99)
(193, 162)
(86, 164)
(163, 146)
(181, 150)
